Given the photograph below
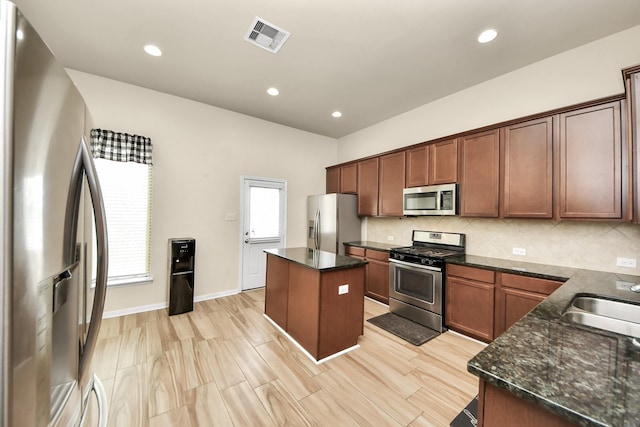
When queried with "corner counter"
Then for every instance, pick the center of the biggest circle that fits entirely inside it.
(317, 298)
(581, 375)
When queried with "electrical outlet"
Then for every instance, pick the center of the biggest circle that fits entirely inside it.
(390, 238)
(626, 262)
(343, 289)
(519, 251)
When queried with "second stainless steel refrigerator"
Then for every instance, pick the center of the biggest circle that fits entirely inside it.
(332, 219)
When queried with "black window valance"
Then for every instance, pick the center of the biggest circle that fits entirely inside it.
(120, 147)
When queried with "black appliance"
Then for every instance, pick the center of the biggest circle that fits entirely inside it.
(182, 254)
(416, 276)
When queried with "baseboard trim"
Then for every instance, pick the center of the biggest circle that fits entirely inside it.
(162, 305)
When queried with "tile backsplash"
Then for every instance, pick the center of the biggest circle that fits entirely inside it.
(578, 244)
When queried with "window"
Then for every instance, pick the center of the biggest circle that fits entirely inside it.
(126, 189)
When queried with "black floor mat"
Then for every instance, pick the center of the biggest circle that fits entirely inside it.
(468, 417)
(406, 329)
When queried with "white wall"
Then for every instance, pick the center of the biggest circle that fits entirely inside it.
(588, 72)
(199, 154)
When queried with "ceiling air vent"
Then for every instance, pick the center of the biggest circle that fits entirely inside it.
(266, 35)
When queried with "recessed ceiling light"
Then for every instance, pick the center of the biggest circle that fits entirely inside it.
(273, 91)
(336, 114)
(487, 35)
(153, 50)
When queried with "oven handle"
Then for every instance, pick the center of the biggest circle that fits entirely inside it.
(415, 266)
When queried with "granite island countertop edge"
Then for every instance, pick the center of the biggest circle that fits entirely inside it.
(316, 259)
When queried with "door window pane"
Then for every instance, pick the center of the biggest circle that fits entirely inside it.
(264, 214)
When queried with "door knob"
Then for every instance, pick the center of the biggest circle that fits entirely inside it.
(246, 240)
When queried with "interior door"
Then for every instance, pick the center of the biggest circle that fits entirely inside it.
(263, 226)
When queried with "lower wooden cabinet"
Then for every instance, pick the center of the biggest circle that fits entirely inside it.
(516, 296)
(470, 301)
(376, 273)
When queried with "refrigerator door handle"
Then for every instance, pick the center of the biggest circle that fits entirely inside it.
(102, 258)
(318, 234)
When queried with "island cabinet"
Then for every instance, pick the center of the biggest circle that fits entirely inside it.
(377, 271)
(470, 301)
(516, 296)
(316, 297)
(527, 169)
(391, 177)
(592, 182)
(497, 408)
(479, 165)
(431, 164)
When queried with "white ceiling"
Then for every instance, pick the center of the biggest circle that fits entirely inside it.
(370, 59)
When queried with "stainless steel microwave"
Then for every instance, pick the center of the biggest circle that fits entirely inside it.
(431, 200)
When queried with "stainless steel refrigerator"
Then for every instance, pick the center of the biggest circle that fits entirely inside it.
(49, 313)
(332, 219)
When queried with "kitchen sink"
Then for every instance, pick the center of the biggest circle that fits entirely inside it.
(617, 316)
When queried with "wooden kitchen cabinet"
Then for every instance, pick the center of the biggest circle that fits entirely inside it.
(478, 167)
(417, 166)
(368, 187)
(391, 183)
(590, 163)
(276, 297)
(443, 162)
(516, 296)
(632, 84)
(332, 177)
(470, 301)
(431, 164)
(527, 169)
(342, 179)
(349, 179)
(376, 273)
(497, 408)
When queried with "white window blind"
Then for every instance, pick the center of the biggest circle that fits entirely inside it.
(126, 189)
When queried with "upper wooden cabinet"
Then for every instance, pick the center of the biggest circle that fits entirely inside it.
(391, 184)
(368, 187)
(443, 162)
(333, 179)
(527, 169)
(417, 166)
(432, 164)
(342, 179)
(478, 167)
(633, 99)
(590, 163)
(349, 179)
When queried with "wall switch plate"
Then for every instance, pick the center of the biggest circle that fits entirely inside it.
(626, 262)
(390, 238)
(230, 216)
(519, 251)
(343, 289)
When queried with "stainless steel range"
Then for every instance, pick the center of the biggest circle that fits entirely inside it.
(416, 276)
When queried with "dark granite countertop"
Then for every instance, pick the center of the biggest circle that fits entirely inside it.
(589, 376)
(543, 271)
(318, 260)
(373, 245)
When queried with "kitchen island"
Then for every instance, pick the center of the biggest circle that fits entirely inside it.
(317, 298)
(547, 371)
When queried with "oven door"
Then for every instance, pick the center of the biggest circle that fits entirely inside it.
(418, 285)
